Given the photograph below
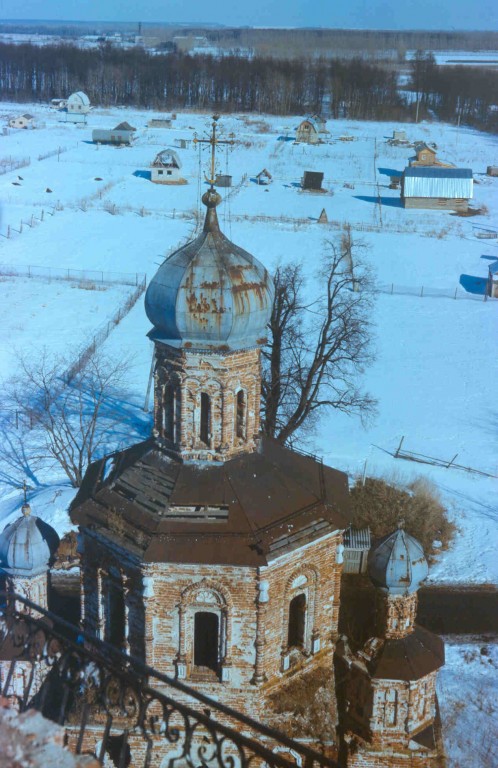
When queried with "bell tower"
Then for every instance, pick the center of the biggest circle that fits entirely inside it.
(209, 303)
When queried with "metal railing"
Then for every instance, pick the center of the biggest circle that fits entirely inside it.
(122, 711)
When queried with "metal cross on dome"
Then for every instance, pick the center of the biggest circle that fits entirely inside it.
(214, 141)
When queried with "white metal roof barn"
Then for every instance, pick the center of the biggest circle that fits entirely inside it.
(438, 182)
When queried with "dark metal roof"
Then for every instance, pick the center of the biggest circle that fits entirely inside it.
(410, 658)
(245, 511)
(430, 171)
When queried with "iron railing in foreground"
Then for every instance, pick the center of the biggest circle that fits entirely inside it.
(123, 711)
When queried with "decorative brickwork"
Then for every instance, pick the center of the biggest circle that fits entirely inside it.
(396, 614)
(206, 405)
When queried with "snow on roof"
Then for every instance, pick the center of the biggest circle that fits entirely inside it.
(124, 126)
(80, 96)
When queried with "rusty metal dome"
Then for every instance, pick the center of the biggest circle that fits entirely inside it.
(397, 563)
(210, 293)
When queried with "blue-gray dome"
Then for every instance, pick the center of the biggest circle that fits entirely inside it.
(27, 545)
(210, 293)
(397, 563)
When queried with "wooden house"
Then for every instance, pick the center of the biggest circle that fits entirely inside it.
(439, 188)
(492, 287)
(159, 122)
(122, 134)
(399, 135)
(264, 177)
(182, 143)
(425, 155)
(312, 181)
(166, 168)
(223, 180)
(22, 121)
(308, 132)
(78, 103)
(492, 170)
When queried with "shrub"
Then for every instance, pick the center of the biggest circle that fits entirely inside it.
(380, 505)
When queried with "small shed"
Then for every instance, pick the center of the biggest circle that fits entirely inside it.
(308, 132)
(264, 177)
(22, 121)
(323, 218)
(399, 135)
(320, 123)
(166, 168)
(78, 103)
(223, 180)
(312, 181)
(439, 188)
(182, 143)
(425, 155)
(492, 287)
(492, 170)
(357, 543)
(122, 134)
(159, 122)
(58, 103)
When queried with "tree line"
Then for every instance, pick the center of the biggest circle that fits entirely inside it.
(353, 88)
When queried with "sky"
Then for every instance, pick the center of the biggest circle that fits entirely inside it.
(372, 14)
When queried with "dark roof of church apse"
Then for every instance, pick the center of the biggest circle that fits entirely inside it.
(246, 511)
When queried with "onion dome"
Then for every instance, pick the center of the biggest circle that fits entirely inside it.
(27, 545)
(210, 293)
(397, 563)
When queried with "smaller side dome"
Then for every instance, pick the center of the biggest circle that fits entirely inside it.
(397, 563)
(27, 545)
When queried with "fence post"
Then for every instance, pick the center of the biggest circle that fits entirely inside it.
(29, 271)
(392, 288)
(422, 291)
(102, 277)
(20, 228)
(42, 215)
(456, 289)
(8, 230)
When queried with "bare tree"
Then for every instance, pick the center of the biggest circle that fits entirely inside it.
(67, 416)
(318, 347)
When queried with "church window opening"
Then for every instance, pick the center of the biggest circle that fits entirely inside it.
(206, 640)
(240, 426)
(297, 621)
(169, 411)
(205, 418)
(390, 708)
(115, 615)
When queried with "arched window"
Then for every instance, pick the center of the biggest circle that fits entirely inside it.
(297, 621)
(240, 415)
(205, 418)
(115, 618)
(168, 411)
(206, 641)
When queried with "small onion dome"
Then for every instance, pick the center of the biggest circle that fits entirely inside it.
(27, 545)
(210, 293)
(397, 563)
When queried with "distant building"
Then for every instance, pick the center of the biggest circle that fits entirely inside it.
(182, 143)
(320, 123)
(122, 134)
(159, 122)
(399, 135)
(166, 168)
(223, 180)
(493, 280)
(492, 170)
(308, 131)
(264, 177)
(439, 188)
(312, 181)
(78, 103)
(22, 121)
(425, 155)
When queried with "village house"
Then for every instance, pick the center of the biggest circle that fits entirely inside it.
(312, 181)
(159, 122)
(122, 135)
(438, 188)
(78, 103)
(165, 169)
(264, 177)
(22, 121)
(308, 131)
(425, 155)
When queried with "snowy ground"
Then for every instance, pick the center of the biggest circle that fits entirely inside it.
(435, 371)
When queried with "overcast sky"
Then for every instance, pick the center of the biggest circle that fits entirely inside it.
(373, 14)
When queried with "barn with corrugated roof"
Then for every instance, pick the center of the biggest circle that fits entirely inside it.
(437, 188)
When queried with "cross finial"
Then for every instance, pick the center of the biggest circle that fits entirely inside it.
(214, 141)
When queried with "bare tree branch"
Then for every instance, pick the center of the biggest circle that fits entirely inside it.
(318, 349)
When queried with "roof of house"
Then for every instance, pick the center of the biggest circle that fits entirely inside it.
(246, 511)
(450, 183)
(431, 172)
(124, 126)
(81, 97)
(421, 146)
(167, 158)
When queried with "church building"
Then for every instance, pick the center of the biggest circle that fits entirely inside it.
(209, 551)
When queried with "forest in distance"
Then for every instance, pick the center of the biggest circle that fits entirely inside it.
(340, 88)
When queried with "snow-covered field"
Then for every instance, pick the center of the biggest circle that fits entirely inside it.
(435, 372)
